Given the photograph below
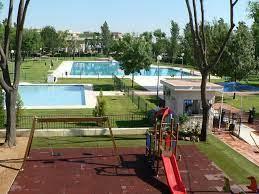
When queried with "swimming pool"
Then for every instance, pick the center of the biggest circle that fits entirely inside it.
(100, 68)
(52, 95)
(238, 87)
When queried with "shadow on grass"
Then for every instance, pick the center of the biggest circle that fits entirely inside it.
(103, 87)
(133, 123)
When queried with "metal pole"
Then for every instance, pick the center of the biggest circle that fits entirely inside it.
(157, 81)
(221, 110)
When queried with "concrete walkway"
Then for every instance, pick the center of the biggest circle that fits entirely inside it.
(248, 135)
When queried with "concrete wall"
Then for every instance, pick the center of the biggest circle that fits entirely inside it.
(175, 99)
(78, 132)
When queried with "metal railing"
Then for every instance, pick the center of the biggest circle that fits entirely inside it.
(139, 101)
(116, 121)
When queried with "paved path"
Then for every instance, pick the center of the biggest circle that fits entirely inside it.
(10, 163)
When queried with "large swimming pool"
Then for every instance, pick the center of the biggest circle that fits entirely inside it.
(238, 87)
(110, 68)
(52, 95)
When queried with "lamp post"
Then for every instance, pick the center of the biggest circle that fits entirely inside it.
(182, 55)
(159, 58)
(12, 53)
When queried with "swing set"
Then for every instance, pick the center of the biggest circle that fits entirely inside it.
(97, 120)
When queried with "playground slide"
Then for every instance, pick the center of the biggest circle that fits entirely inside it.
(173, 177)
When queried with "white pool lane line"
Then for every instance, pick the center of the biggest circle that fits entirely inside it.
(89, 95)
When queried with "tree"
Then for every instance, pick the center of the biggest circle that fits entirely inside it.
(11, 86)
(200, 53)
(215, 36)
(186, 44)
(106, 38)
(31, 41)
(238, 58)
(159, 47)
(254, 13)
(133, 53)
(49, 38)
(173, 46)
(242, 52)
(148, 36)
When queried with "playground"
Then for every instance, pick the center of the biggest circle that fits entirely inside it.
(162, 166)
(96, 170)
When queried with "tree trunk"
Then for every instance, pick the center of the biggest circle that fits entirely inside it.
(10, 139)
(132, 81)
(205, 107)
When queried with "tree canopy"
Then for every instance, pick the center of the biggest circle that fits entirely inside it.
(106, 38)
(49, 38)
(133, 53)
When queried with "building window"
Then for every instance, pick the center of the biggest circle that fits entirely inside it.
(191, 107)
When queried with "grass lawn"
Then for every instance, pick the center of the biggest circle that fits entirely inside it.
(114, 105)
(36, 71)
(120, 109)
(89, 141)
(232, 163)
(248, 102)
(104, 84)
(151, 100)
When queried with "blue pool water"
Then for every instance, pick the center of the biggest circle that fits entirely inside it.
(238, 87)
(109, 68)
(52, 95)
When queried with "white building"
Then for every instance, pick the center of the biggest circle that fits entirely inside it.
(184, 96)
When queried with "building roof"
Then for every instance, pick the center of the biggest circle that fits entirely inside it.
(190, 85)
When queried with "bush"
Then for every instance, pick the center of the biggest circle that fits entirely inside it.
(99, 109)
(192, 131)
(182, 119)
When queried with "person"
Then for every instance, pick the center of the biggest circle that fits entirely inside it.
(251, 115)
(51, 63)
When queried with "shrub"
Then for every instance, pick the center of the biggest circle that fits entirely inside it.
(99, 109)
(19, 110)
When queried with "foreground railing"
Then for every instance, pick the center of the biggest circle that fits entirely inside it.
(116, 121)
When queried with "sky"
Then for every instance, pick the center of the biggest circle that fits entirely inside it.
(122, 15)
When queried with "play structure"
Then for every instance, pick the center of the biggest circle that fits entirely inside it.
(97, 120)
(161, 144)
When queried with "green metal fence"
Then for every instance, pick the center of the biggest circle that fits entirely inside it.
(116, 121)
(139, 101)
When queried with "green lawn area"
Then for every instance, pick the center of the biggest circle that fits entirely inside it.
(248, 102)
(232, 163)
(36, 71)
(89, 141)
(151, 100)
(120, 109)
(104, 84)
(114, 105)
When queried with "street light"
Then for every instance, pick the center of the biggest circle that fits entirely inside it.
(182, 55)
(12, 53)
(159, 58)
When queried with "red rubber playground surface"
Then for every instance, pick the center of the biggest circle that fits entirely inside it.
(96, 170)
